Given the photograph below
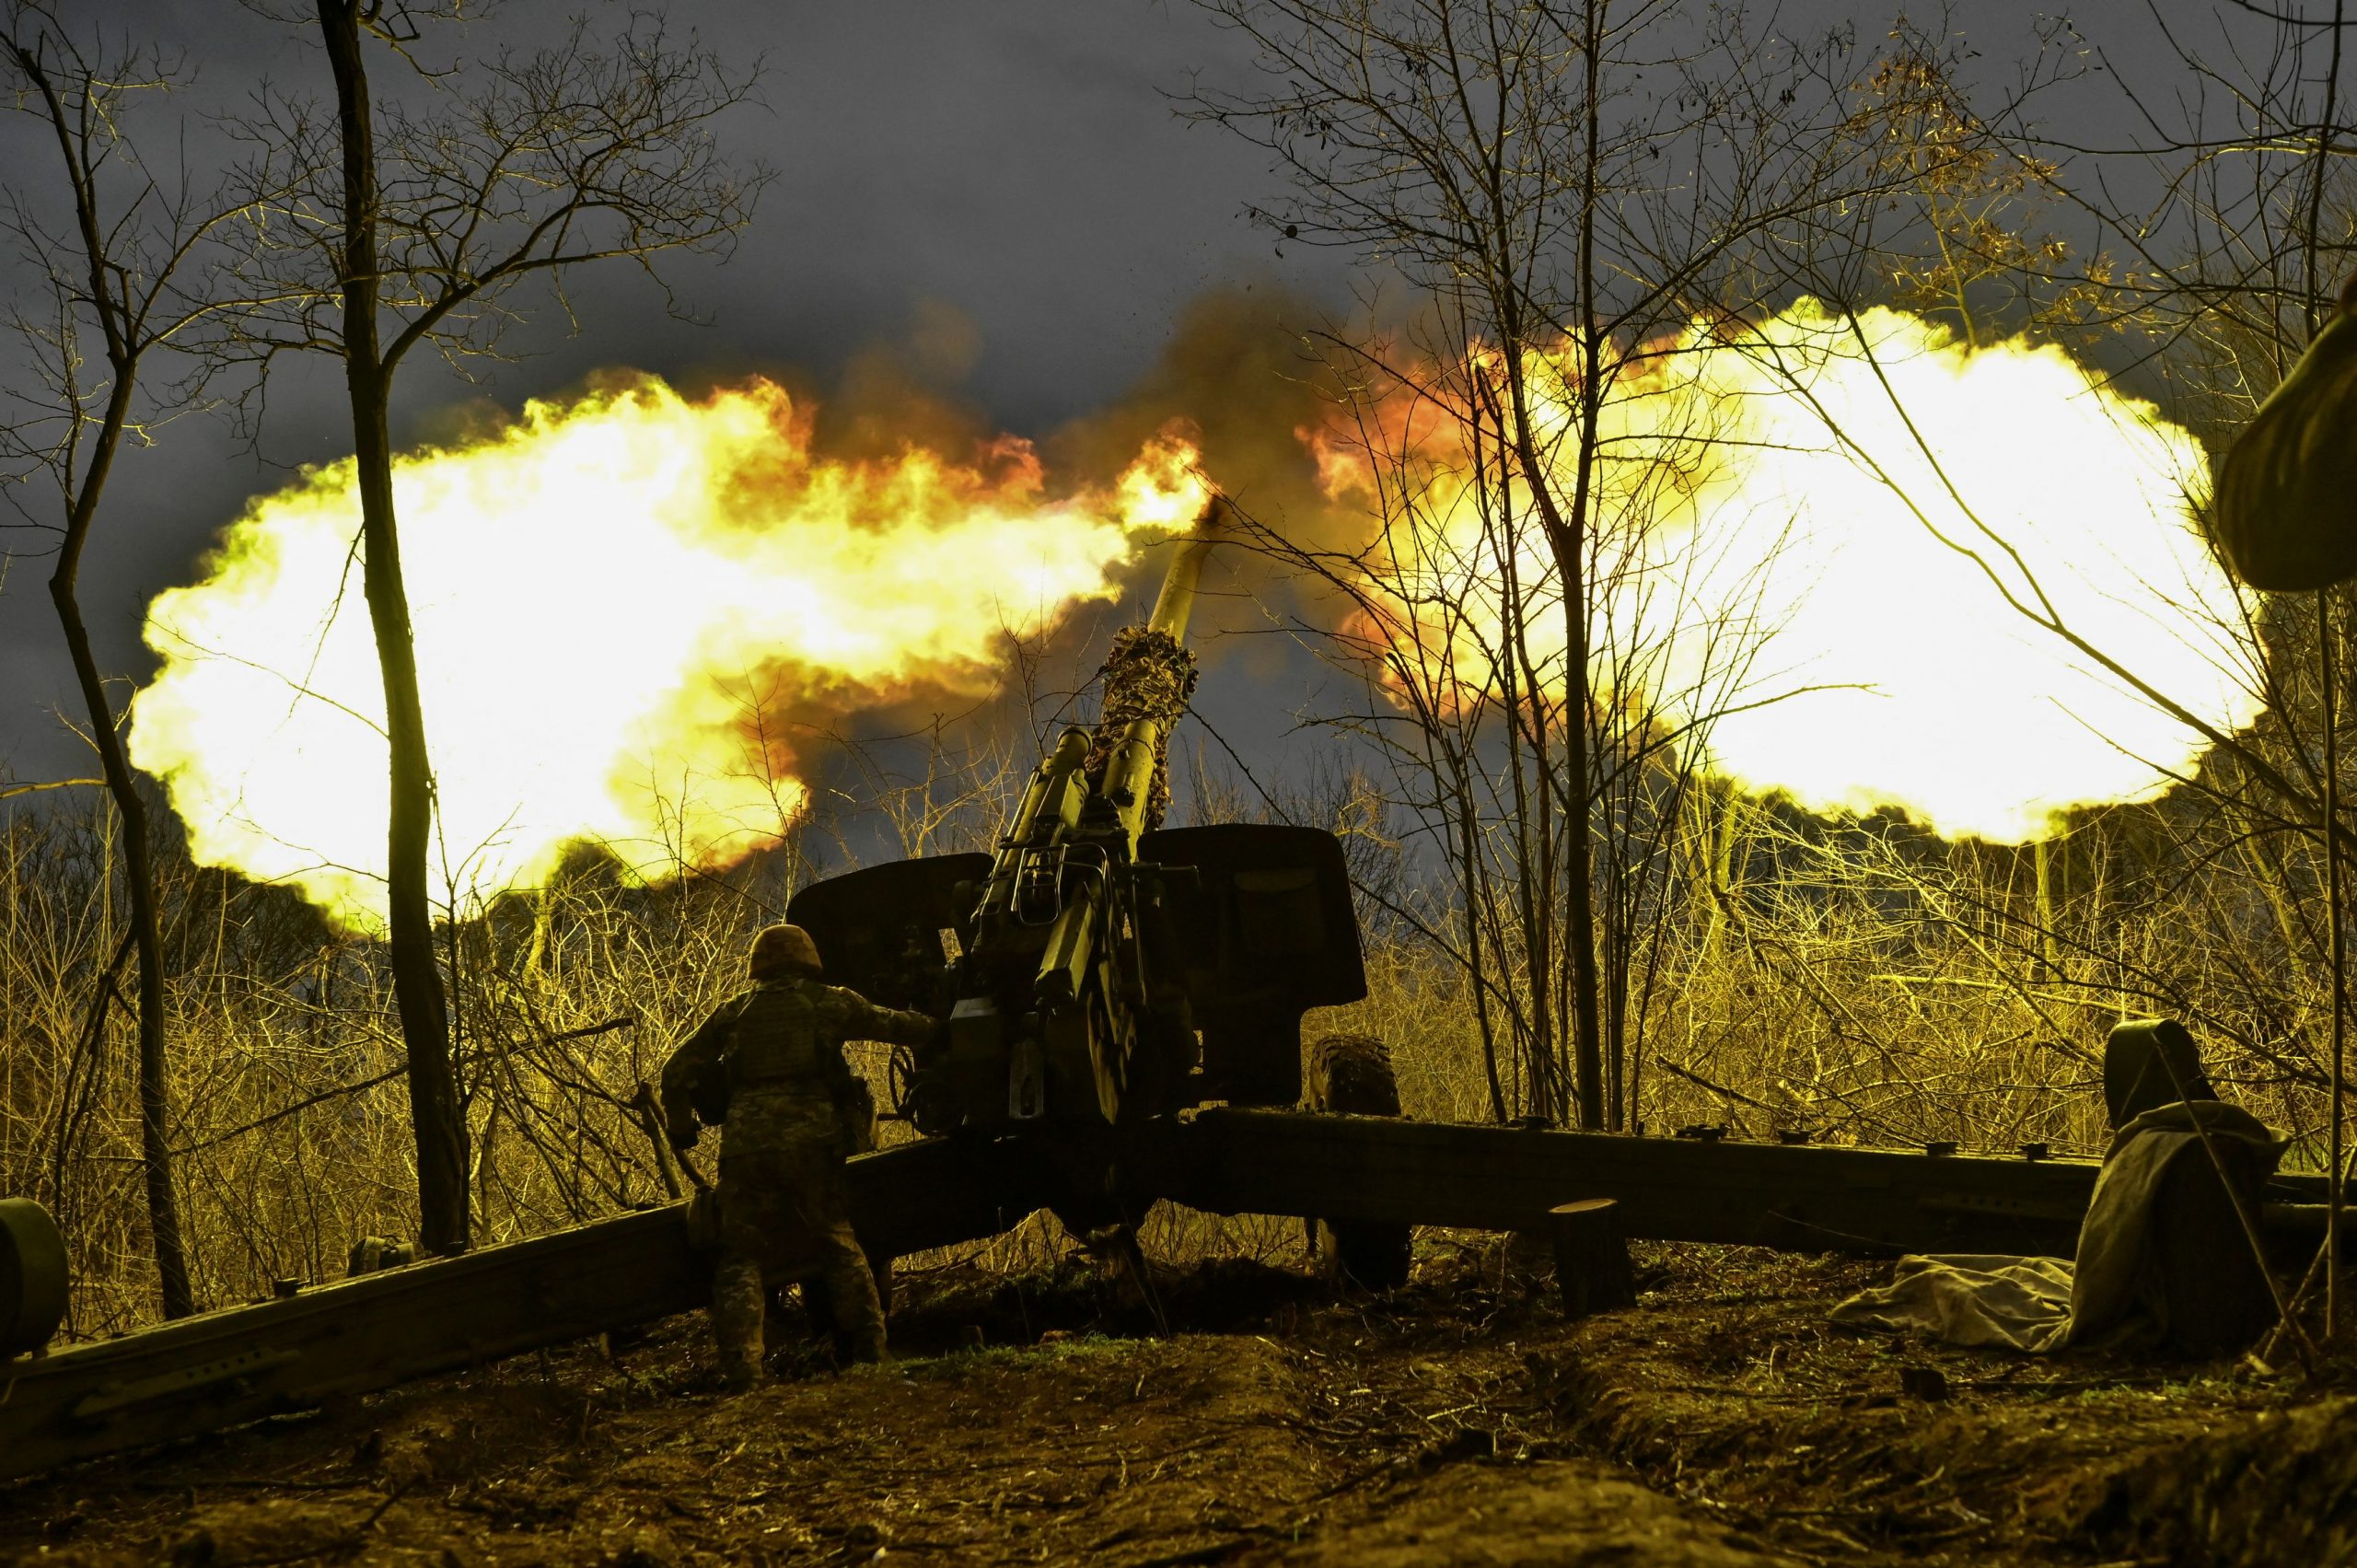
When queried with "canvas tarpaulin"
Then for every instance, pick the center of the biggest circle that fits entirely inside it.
(2114, 1293)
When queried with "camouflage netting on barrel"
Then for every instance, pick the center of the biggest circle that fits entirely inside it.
(1147, 676)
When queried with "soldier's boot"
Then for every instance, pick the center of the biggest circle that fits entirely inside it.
(737, 1306)
(869, 1347)
(858, 1309)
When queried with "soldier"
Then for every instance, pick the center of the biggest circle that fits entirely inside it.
(777, 1048)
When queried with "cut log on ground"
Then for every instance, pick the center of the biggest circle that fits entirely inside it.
(1591, 1256)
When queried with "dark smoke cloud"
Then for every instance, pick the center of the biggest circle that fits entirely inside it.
(1246, 368)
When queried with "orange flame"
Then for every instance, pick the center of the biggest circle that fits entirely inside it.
(614, 601)
(1801, 542)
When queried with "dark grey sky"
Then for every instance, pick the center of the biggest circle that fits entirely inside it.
(1016, 160)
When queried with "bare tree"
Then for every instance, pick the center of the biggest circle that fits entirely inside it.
(2243, 229)
(1566, 185)
(415, 218)
(130, 269)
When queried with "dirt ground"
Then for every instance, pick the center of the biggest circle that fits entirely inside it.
(1460, 1419)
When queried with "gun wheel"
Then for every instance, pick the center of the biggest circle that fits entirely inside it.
(1351, 1074)
(33, 1276)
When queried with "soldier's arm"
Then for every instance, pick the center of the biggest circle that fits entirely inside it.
(694, 1056)
(855, 1017)
(846, 1015)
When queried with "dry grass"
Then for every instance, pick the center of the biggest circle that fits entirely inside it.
(1866, 982)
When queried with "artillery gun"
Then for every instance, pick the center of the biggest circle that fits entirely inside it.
(1123, 1006)
(1099, 973)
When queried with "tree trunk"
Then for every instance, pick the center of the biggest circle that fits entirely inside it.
(1568, 536)
(434, 1111)
(146, 929)
(2047, 966)
(131, 811)
(1567, 540)
(1579, 861)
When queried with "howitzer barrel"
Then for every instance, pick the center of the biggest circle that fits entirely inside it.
(1175, 602)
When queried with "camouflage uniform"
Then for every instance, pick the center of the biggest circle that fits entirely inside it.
(782, 1146)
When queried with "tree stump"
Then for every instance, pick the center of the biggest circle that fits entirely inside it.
(1591, 1256)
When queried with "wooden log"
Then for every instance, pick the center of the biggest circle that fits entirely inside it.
(1591, 1256)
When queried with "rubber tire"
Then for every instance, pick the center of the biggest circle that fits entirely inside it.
(1352, 1074)
(32, 1277)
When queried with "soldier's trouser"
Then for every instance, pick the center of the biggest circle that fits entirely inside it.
(770, 1199)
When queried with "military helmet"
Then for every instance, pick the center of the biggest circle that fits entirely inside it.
(779, 948)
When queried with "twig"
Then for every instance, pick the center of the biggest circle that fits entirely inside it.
(2334, 922)
(347, 1541)
(10, 791)
(285, 1111)
(649, 1118)
(1691, 1076)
